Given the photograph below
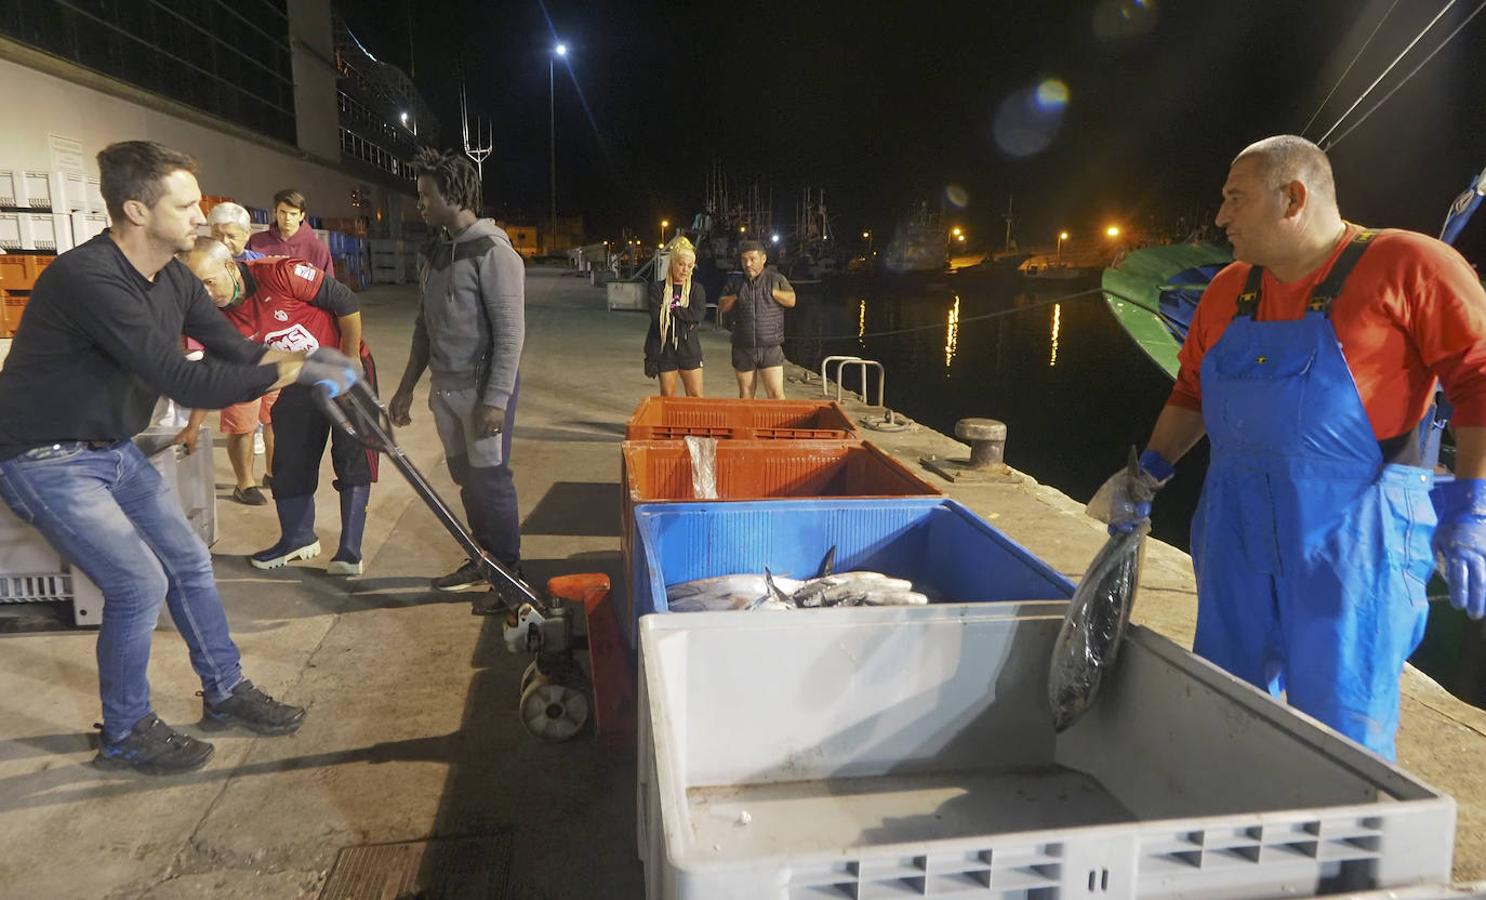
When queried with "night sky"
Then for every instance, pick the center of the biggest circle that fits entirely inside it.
(1141, 104)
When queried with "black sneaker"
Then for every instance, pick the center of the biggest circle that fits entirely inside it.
(465, 578)
(250, 497)
(154, 748)
(253, 710)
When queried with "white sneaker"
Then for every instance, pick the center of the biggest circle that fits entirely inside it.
(258, 447)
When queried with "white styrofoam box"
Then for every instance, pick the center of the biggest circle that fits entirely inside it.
(36, 190)
(627, 295)
(10, 187)
(32, 572)
(86, 226)
(910, 752)
(10, 231)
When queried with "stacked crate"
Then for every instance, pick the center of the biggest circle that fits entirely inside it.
(768, 452)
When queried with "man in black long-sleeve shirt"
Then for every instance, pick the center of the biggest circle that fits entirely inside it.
(99, 344)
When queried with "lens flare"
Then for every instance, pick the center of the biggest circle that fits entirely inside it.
(957, 196)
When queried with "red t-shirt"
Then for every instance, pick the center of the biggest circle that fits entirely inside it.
(1411, 311)
(283, 305)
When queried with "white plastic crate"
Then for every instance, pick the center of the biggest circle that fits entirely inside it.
(629, 295)
(46, 232)
(909, 752)
(10, 187)
(10, 231)
(86, 226)
(32, 572)
(35, 190)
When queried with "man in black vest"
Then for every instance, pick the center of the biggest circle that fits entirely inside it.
(758, 302)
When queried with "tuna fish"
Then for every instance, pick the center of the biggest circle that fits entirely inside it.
(1094, 627)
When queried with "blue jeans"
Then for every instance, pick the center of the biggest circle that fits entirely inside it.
(111, 515)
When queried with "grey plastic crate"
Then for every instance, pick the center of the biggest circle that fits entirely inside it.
(910, 753)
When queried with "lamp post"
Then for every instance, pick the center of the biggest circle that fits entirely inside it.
(559, 50)
(664, 224)
(1062, 236)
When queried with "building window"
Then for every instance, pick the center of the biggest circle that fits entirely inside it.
(228, 59)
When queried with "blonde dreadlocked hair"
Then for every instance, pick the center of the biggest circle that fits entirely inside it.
(668, 331)
(454, 175)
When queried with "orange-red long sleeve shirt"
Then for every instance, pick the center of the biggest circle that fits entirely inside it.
(1412, 311)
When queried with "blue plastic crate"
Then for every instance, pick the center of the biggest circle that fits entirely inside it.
(933, 541)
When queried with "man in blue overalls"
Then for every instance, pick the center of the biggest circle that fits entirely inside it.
(1310, 364)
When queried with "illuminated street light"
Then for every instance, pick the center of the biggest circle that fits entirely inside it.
(866, 234)
(742, 229)
(404, 118)
(1112, 231)
(561, 49)
(960, 238)
(664, 224)
(774, 238)
(1062, 236)
(956, 231)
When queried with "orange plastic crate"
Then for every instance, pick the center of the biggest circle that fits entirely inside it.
(660, 471)
(12, 307)
(671, 418)
(19, 271)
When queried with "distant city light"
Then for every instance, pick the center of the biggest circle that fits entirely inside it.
(561, 49)
(955, 231)
(960, 238)
(774, 238)
(866, 234)
(405, 118)
(1062, 235)
(742, 229)
(1113, 231)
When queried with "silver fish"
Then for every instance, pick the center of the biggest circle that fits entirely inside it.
(1094, 627)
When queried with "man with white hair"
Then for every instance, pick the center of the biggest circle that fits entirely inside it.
(1311, 365)
(231, 224)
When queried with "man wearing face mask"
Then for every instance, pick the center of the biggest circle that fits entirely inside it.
(757, 304)
(288, 304)
(100, 343)
(1310, 365)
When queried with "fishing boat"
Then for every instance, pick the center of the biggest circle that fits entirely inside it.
(1153, 293)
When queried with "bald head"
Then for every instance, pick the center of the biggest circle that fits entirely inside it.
(1285, 158)
(211, 261)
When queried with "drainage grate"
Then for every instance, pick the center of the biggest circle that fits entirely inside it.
(450, 869)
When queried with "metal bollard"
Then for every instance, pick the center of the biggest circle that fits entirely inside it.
(987, 440)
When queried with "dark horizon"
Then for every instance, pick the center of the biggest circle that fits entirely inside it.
(1087, 112)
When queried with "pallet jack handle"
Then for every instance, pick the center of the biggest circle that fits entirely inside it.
(359, 414)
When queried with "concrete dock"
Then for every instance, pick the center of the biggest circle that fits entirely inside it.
(412, 734)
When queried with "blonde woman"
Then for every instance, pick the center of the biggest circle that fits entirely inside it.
(677, 306)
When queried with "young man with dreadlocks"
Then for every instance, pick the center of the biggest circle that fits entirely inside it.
(468, 334)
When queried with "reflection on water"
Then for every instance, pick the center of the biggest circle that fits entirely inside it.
(1057, 326)
(952, 333)
(1072, 407)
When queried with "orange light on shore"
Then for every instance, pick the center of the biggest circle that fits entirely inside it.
(1112, 231)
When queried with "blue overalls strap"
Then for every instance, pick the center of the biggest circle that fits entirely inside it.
(1322, 295)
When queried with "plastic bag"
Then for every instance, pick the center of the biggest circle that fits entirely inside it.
(1094, 627)
(703, 467)
(1126, 496)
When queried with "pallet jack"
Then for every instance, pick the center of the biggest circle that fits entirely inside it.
(559, 695)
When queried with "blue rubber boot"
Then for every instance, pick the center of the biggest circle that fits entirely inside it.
(347, 559)
(297, 534)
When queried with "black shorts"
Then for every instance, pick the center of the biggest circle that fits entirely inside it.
(746, 359)
(685, 354)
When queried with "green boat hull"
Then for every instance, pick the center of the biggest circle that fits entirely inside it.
(1132, 289)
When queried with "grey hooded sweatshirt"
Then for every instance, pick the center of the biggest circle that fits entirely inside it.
(472, 320)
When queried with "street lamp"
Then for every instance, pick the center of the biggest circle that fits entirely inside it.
(1112, 231)
(559, 50)
(664, 224)
(1062, 236)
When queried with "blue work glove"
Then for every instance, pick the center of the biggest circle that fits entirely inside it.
(335, 357)
(334, 378)
(1124, 501)
(1460, 542)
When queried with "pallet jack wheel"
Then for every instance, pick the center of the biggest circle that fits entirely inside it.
(554, 709)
